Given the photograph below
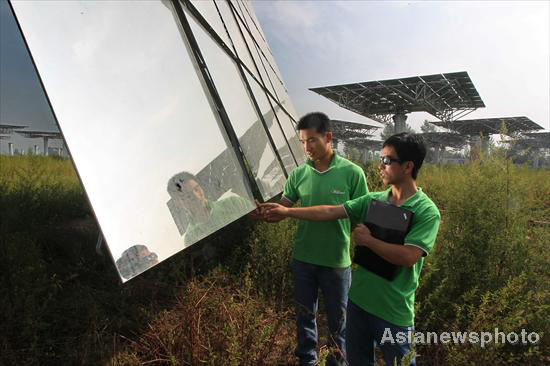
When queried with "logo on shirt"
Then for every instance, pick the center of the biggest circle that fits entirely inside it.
(405, 216)
(335, 191)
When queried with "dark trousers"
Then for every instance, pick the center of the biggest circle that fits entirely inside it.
(334, 283)
(364, 331)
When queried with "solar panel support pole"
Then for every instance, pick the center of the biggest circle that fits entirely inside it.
(399, 122)
(484, 140)
(536, 160)
(367, 155)
(45, 146)
(437, 153)
(35, 149)
(10, 148)
(475, 147)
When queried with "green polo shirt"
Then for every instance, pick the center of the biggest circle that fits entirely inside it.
(324, 243)
(393, 301)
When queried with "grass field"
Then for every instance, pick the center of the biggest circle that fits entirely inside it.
(61, 302)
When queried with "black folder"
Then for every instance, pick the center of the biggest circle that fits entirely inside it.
(388, 223)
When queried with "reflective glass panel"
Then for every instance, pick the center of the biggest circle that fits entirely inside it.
(235, 35)
(245, 8)
(273, 124)
(257, 58)
(290, 132)
(140, 126)
(208, 10)
(242, 114)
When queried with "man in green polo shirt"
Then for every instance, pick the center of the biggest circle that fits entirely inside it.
(321, 258)
(378, 309)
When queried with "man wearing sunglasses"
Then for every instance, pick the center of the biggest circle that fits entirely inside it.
(380, 310)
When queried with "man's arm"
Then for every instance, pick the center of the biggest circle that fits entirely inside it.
(313, 213)
(276, 218)
(259, 214)
(401, 255)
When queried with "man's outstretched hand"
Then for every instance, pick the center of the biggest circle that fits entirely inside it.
(269, 212)
(273, 212)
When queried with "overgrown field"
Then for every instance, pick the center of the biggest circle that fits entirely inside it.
(61, 302)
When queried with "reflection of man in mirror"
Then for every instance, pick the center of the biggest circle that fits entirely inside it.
(204, 216)
(135, 260)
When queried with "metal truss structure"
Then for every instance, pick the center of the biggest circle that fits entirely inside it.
(38, 134)
(490, 126)
(447, 97)
(41, 134)
(361, 143)
(8, 129)
(344, 130)
(539, 140)
(444, 139)
(541, 136)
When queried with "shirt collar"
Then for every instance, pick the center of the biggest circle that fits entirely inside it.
(410, 201)
(334, 160)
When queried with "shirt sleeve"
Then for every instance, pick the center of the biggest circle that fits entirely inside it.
(290, 192)
(359, 186)
(356, 209)
(424, 232)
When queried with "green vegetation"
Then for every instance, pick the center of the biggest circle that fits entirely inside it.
(61, 302)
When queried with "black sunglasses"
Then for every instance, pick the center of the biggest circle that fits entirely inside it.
(387, 160)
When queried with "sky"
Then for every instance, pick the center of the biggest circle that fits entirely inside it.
(504, 47)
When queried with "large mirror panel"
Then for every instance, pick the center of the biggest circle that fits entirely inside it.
(237, 43)
(242, 114)
(290, 132)
(143, 133)
(208, 10)
(273, 124)
(257, 59)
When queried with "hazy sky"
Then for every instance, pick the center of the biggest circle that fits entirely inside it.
(504, 47)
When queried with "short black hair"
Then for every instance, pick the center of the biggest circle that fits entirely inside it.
(177, 182)
(409, 147)
(317, 120)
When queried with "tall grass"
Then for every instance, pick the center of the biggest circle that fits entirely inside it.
(490, 268)
(60, 302)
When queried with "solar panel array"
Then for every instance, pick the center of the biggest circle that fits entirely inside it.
(489, 126)
(345, 129)
(446, 96)
(37, 134)
(544, 136)
(538, 140)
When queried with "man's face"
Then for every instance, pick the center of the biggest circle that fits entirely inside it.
(316, 145)
(395, 172)
(195, 193)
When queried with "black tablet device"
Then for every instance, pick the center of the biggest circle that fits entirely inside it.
(388, 223)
